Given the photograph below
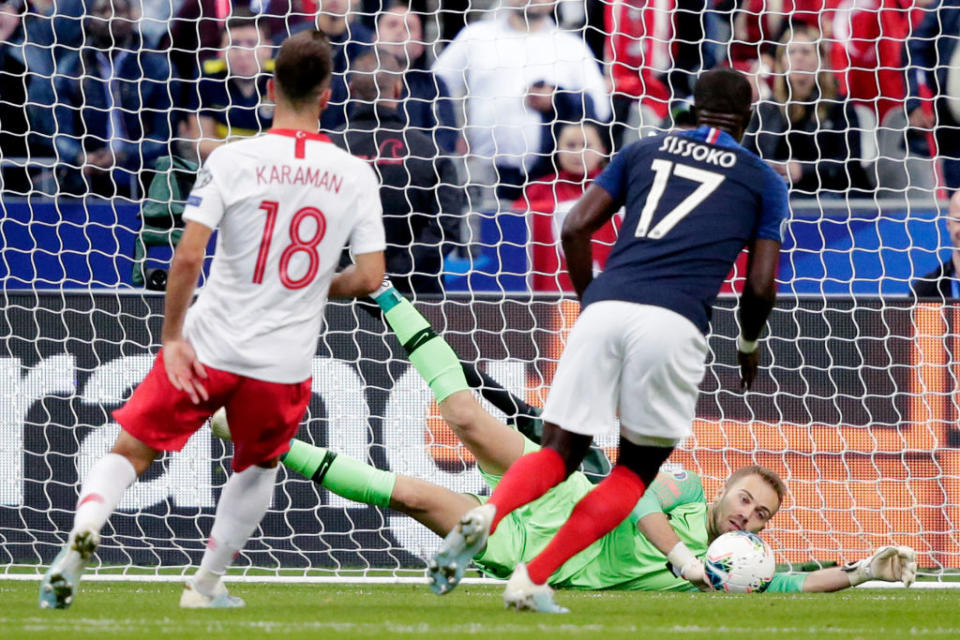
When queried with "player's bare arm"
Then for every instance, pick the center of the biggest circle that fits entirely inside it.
(360, 278)
(591, 212)
(756, 302)
(179, 358)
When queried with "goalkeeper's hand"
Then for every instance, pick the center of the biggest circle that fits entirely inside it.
(694, 572)
(890, 564)
(688, 566)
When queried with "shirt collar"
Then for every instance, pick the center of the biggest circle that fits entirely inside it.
(300, 134)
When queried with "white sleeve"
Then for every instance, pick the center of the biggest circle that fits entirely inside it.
(368, 235)
(594, 85)
(451, 65)
(205, 204)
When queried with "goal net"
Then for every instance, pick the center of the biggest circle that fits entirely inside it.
(106, 111)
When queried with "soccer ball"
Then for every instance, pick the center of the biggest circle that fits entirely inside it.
(739, 562)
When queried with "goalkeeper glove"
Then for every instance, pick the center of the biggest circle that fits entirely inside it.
(890, 564)
(688, 566)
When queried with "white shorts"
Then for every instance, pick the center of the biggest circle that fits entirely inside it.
(640, 362)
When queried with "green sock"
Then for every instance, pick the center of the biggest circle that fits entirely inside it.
(440, 367)
(341, 474)
(429, 353)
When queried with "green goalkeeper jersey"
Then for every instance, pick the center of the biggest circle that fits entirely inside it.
(624, 558)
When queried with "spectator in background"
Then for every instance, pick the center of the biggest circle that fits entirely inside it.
(283, 17)
(46, 31)
(654, 50)
(868, 52)
(808, 132)
(37, 34)
(231, 92)
(156, 18)
(421, 197)
(349, 39)
(426, 99)
(580, 157)
(112, 107)
(758, 26)
(14, 126)
(868, 57)
(933, 60)
(638, 56)
(944, 281)
(501, 66)
(196, 34)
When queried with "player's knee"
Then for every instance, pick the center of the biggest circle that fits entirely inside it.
(460, 411)
(410, 497)
(140, 455)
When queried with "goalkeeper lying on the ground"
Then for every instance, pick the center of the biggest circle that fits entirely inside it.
(665, 536)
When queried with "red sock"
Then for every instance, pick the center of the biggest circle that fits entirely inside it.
(526, 480)
(597, 514)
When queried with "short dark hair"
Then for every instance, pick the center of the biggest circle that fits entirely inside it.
(724, 91)
(303, 65)
(374, 75)
(243, 17)
(390, 5)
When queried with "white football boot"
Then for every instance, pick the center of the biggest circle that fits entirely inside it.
(60, 582)
(466, 540)
(523, 594)
(191, 598)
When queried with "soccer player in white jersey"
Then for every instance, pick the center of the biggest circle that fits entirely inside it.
(285, 204)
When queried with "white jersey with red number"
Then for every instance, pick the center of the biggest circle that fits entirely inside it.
(285, 204)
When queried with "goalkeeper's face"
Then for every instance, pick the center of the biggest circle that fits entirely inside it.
(746, 505)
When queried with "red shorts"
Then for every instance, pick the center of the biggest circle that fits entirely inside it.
(263, 416)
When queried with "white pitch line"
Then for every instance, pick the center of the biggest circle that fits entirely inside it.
(873, 584)
(112, 626)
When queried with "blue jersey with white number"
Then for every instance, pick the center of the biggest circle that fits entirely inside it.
(693, 200)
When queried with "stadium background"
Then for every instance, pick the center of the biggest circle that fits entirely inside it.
(857, 409)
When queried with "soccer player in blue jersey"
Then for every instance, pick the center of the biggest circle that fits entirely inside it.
(693, 200)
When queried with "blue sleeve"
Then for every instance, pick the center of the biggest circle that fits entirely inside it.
(614, 177)
(66, 140)
(447, 131)
(775, 207)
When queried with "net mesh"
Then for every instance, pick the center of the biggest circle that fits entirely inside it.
(108, 107)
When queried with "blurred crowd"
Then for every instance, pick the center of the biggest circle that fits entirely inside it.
(513, 102)
(853, 95)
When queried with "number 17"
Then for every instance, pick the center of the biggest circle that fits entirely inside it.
(709, 181)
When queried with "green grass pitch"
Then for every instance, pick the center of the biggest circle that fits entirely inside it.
(149, 610)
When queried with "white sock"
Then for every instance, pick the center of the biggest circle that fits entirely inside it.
(101, 491)
(383, 288)
(242, 505)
